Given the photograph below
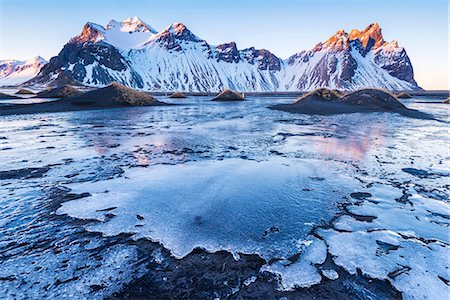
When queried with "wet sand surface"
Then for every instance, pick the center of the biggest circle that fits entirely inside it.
(94, 203)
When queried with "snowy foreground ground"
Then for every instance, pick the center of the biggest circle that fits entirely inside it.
(116, 202)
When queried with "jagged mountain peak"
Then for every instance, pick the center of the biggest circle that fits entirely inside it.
(128, 34)
(35, 60)
(370, 38)
(371, 32)
(39, 59)
(174, 28)
(231, 46)
(179, 31)
(133, 24)
(178, 27)
(339, 41)
(91, 32)
(354, 34)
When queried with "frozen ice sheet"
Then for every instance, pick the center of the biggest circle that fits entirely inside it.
(237, 205)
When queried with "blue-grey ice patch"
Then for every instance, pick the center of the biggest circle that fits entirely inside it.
(237, 205)
(420, 218)
(330, 274)
(405, 243)
(301, 273)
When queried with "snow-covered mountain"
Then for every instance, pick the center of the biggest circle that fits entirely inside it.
(14, 72)
(133, 53)
(351, 61)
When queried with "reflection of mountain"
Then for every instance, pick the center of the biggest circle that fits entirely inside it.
(133, 53)
(125, 132)
(344, 144)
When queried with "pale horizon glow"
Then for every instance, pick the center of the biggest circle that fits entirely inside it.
(30, 28)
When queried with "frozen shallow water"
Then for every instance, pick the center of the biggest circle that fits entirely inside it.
(266, 207)
(223, 176)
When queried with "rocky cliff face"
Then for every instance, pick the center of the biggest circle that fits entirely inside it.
(133, 53)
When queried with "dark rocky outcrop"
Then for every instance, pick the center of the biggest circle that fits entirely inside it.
(178, 95)
(397, 64)
(24, 92)
(228, 95)
(328, 102)
(264, 59)
(80, 55)
(447, 101)
(228, 53)
(59, 92)
(7, 96)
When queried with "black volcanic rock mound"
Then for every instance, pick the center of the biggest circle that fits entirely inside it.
(328, 102)
(59, 92)
(321, 94)
(446, 101)
(373, 99)
(114, 95)
(6, 96)
(229, 95)
(403, 96)
(24, 92)
(178, 95)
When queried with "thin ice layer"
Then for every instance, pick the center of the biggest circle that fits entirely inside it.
(237, 205)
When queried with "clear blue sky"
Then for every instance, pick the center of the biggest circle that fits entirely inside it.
(41, 27)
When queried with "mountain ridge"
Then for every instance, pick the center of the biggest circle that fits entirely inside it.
(133, 53)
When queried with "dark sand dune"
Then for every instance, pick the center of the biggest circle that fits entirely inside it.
(59, 92)
(328, 102)
(6, 96)
(178, 95)
(403, 96)
(229, 95)
(114, 95)
(24, 92)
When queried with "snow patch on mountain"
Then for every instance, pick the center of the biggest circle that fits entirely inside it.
(14, 72)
